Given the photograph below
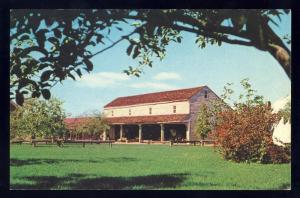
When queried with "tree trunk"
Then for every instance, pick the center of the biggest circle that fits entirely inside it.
(277, 49)
(282, 56)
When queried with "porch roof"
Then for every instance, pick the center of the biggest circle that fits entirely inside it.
(176, 118)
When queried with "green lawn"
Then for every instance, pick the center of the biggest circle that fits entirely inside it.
(137, 167)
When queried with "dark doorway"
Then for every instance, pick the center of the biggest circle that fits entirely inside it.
(175, 132)
(117, 132)
(131, 132)
(151, 132)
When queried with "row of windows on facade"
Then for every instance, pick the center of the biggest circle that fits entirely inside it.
(150, 111)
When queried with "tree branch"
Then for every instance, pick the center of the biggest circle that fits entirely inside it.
(31, 49)
(116, 42)
(218, 28)
(112, 45)
(211, 35)
(195, 23)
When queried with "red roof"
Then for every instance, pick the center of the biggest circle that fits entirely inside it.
(75, 120)
(175, 95)
(71, 122)
(148, 119)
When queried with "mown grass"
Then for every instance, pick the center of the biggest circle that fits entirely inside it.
(137, 167)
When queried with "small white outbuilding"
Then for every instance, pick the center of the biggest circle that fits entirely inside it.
(282, 132)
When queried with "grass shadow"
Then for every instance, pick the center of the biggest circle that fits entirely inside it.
(79, 181)
(20, 162)
(32, 161)
(128, 183)
(285, 186)
(39, 183)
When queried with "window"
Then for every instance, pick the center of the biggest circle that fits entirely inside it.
(174, 109)
(205, 94)
(112, 113)
(129, 112)
(150, 110)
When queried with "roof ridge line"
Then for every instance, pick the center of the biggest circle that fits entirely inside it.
(163, 91)
(161, 94)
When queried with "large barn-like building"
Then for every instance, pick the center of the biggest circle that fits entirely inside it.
(157, 116)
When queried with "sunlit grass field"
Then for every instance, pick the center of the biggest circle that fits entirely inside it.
(137, 167)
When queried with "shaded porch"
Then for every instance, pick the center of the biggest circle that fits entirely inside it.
(154, 132)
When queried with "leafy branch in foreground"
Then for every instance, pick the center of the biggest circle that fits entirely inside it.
(49, 46)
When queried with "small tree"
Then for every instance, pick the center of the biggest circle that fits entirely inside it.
(96, 125)
(285, 113)
(91, 124)
(38, 118)
(208, 115)
(203, 122)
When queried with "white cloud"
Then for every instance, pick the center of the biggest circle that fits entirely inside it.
(153, 85)
(102, 79)
(167, 76)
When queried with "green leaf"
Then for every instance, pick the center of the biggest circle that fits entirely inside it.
(53, 40)
(178, 39)
(92, 43)
(203, 45)
(45, 85)
(129, 49)
(137, 75)
(57, 33)
(136, 24)
(48, 21)
(219, 42)
(46, 94)
(78, 71)
(136, 52)
(126, 72)
(40, 37)
(24, 37)
(46, 75)
(35, 94)
(88, 63)
(119, 28)
(70, 75)
(99, 38)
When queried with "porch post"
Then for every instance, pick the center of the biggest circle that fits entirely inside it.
(104, 135)
(140, 133)
(162, 132)
(121, 131)
(188, 131)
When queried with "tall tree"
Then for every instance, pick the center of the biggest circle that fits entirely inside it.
(48, 46)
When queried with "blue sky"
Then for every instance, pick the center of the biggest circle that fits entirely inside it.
(185, 65)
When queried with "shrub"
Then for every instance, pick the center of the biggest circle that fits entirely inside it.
(277, 154)
(246, 136)
(244, 133)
